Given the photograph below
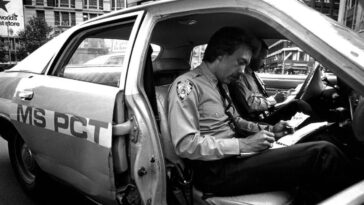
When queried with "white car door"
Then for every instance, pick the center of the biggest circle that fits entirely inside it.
(66, 116)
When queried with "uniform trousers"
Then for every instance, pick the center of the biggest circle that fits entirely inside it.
(319, 167)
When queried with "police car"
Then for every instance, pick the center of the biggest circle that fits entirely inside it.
(102, 128)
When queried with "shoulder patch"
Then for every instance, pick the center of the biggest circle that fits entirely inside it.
(184, 88)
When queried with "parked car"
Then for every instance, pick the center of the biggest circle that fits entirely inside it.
(104, 131)
(109, 59)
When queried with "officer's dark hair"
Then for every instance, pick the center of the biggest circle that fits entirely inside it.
(256, 61)
(226, 41)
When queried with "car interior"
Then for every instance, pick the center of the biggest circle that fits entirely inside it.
(178, 35)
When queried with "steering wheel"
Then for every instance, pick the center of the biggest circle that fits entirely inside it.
(312, 86)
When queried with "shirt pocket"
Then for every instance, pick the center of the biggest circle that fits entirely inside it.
(212, 111)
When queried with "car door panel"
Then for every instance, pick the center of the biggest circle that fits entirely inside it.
(67, 121)
(68, 125)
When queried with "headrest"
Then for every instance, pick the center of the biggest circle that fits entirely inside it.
(170, 64)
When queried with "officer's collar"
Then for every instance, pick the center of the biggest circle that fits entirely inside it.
(206, 72)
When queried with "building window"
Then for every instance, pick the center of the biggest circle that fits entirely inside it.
(50, 3)
(87, 16)
(64, 18)
(40, 14)
(27, 2)
(93, 4)
(56, 18)
(73, 19)
(64, 3)
(117, 4)
(61, 3)
(101, 4)
(39, 2)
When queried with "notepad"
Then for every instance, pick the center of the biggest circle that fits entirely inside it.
(292, 139)
(299, 134)
(297, 119)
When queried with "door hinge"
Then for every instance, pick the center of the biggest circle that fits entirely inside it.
(129, 127)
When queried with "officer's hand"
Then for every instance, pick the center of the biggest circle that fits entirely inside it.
(281, 129)
(290, 91)
(258, 142)
(280, 97)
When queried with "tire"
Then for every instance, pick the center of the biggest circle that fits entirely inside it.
(24, 165)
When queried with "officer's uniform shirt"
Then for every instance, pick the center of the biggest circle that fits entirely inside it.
(196, 115)
(250, 91)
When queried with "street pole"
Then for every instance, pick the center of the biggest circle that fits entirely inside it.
(16, 58)
(9, 45)
(283, 62)
(341, 16)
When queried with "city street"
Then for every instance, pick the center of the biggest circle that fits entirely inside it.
(12, 194)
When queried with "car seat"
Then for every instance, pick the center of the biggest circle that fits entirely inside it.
(267, 198)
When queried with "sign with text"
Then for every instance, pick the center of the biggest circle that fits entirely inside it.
(11, 17)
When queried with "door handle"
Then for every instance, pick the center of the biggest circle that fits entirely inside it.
(26, 94)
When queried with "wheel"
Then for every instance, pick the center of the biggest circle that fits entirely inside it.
(25, 167)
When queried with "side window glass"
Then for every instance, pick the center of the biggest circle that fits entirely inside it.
(286, 58)
(99, 56)
(197, 55)
(156, 51)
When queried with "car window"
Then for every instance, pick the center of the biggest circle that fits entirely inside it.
(39, 60)
(99, 56)
(286, 58)
(197, 55)
(156, 51)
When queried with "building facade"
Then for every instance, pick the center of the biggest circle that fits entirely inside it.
(11, 22)
(328, 7)
(354, 15)
(63, 14)
(284, 57)
(59, 14)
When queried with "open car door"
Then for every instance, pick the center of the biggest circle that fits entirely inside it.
(66, 117)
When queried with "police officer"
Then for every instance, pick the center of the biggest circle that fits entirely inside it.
(201, 132)
(252, 101)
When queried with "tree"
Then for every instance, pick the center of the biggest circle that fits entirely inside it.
(3, 52)
(35, 34)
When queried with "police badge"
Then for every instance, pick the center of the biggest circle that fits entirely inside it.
(183, 89)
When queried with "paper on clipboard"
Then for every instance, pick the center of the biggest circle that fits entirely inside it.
(299, 134)
(297, 119)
